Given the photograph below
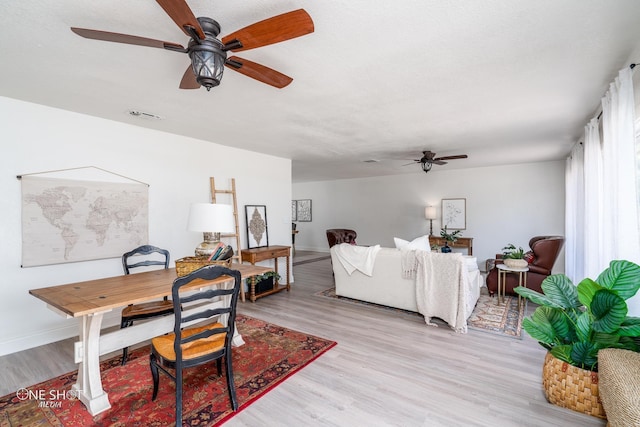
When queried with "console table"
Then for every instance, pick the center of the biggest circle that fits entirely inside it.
(262, 254)
(462, 242)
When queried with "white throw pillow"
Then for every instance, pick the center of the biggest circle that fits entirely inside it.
(421, 242)
(400, 243)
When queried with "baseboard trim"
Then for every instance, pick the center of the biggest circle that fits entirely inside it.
(49, 336)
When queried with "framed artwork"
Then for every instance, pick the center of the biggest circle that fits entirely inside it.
(294, 210)
(454, 214)
(256, 219)
(303, 211)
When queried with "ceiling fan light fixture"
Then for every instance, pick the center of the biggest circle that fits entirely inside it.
(207, 56)
(426, 166)
(207, 61)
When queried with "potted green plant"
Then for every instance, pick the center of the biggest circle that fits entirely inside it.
(512, 257)
(574, 322)
(449, 237)
(265, 282)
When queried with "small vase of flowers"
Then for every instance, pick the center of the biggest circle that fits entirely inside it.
(449, 237)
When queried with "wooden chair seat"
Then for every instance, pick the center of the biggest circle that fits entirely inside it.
(147, 309)
(163, 345)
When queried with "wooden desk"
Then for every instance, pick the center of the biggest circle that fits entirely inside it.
(262, 254)
(462, 242)
(90, 300)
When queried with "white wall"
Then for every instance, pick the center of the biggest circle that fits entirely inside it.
(505, 204)
(34, 138)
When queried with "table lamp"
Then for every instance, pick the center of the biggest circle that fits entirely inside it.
(430, 214)
(210, 219)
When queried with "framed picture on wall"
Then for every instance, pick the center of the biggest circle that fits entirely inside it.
(256, 220)
(303, 211)
(454, 214)
(294, 210)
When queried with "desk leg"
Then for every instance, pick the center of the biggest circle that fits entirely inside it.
(237, 340)
(89, 384)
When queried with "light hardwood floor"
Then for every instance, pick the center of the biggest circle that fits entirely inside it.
(388, 369)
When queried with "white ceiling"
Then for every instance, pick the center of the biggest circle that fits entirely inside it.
(503, 81)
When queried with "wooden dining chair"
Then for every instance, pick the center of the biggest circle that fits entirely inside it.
(143, 256)
(188, 346)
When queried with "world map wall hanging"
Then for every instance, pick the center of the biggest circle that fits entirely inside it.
(68, 220)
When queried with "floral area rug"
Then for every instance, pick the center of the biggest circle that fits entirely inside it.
(270, 355)
(504, 319)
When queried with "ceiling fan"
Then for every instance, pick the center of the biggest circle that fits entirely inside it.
(429, 159)
(209, 54)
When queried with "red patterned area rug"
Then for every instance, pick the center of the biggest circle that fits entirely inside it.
(270, 355)
(487, 316)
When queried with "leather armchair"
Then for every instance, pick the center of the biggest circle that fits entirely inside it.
(336, 236)
(543, 254)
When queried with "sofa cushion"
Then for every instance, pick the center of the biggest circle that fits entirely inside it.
(471, 262)
(421, 242)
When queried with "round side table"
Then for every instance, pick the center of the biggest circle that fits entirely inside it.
(502, 279)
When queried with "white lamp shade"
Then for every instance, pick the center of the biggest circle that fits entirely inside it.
(211, 218)
(430, 212)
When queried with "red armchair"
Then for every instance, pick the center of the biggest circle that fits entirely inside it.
(544, 252)
(335, 236)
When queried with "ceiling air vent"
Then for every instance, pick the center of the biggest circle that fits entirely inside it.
(143, 115)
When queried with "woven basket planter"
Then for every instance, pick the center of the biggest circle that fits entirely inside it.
(186, 265)
(571, 387)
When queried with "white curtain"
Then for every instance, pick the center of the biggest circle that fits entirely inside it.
(594, 209)
(574, 220)
(602, 221)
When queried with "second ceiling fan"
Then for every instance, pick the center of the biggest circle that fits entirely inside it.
(209, 54)
(429, 158)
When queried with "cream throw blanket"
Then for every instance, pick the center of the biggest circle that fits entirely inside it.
(441, 286)
(354, 257)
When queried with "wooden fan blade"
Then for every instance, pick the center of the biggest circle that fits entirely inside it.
(438, 162)
(189, 80)
(259, 72)
(182, 15)
(272, 30)
(126, 38)
(461, 156)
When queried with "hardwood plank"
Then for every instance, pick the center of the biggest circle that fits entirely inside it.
(387, 369)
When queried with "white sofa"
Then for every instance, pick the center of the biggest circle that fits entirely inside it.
(386, 285)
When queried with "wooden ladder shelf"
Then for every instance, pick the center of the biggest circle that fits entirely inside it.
(237, 256)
